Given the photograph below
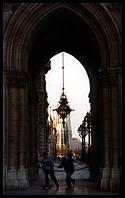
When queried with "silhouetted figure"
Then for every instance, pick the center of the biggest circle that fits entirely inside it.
(67, 163)
(47, 165)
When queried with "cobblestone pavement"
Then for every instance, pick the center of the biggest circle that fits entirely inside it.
(81, 171)
(82, 185)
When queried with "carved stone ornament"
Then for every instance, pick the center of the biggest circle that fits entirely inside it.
(12, 81)
(21, 83)
(16, 79)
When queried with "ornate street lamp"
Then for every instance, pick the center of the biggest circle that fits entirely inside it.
(82, 134)
(83, 130)
(63, 109)
(88, 126)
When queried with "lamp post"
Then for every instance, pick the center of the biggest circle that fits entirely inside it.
(63, 109)
(88, 126)
(82, 134)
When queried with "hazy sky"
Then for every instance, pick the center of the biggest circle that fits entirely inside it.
(76, 85)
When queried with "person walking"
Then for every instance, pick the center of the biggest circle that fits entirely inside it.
(47, 165)
(67, 163)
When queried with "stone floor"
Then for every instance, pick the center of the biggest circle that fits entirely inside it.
(83, 186)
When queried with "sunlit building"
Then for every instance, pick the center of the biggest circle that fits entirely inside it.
(75, 145)
(52, 139)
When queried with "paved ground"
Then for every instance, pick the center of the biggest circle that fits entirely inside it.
(82, 185)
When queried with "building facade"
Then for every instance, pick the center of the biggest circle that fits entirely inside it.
(76, 145)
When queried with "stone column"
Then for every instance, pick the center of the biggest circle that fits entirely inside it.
(43, 110)
(12, 139)
(41, 137)
(115, 171)
(4, 134)
(121, 141)
(43, 114)
(33, 135)
(22, 174)
(105, 180)
(33, 120)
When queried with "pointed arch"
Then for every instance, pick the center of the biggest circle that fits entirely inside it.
(25, 21)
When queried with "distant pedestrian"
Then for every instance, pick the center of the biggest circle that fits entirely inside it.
(67, 163)
(48, 169)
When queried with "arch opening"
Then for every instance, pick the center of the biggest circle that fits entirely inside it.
(77, 87)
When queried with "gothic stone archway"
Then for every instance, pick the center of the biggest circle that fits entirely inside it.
(33, 34)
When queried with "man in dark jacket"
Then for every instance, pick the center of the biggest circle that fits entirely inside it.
(67, 163)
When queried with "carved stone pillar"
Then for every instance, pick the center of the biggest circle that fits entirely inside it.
(105, 180)
(4, 134)
(115, 171)
(22, 174)
(43, 114)
(33, 134)
(12, 139)
(42, 147)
